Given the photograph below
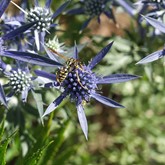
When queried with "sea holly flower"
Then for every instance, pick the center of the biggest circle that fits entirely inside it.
(160, 53)
(12, 34)
(92, 8)
(22, 41)
(23, 56)
(55, 46)
(79, 83)
(19, 80)
(43, 18)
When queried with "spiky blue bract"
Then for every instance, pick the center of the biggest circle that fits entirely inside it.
(60, 9)
(106, 100)
(76, 11)
(31, 58)
(45, 74)
(54, 104)
(18, 31)
(3, 5)
(75, 52)
(85, 24)
(152, 57)
(127, 6)
(48, 3)
(155, 23)
(116, 78)
(99, 56)
(24, 95)
(2, 65)
(82, 120)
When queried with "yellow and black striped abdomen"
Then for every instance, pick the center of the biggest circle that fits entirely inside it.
(70, 65)
(61, 74)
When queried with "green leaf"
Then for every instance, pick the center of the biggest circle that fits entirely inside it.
(2, 128)
(66, 154)
(36, 155)
(3, 148)
(55, 146)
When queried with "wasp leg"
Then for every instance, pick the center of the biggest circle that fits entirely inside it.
(78, 79)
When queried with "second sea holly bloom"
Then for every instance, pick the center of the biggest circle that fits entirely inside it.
(21, 55)
(92, 8)
(44, 17)
(19, 80)
(80, 84)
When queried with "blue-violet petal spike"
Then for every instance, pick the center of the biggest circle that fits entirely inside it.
(156, 24)
(18, 31)
(152, 57)
(45, 74)
(127, 6)
(3, 5)
(82, 119)
(99, 56)
(76, 11)
(36, 3)
(106, 100)
(75, 52)
(60, 9)
(2, 65)
(54, 105)
(2, 96)
(24, 95)
(37, 39)
(116, 78)
(31, 58)
(85, 24)
(48, 3)
(108, 14)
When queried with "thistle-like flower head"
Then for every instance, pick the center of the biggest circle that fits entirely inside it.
(79, 83)
(54, 44)
(43, 17)
(77, 80)
(93, 7)
(19, 80)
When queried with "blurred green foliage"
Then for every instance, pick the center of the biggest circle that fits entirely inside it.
(131, 136)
